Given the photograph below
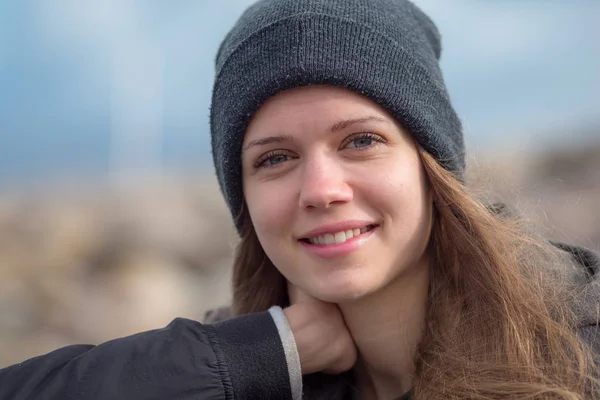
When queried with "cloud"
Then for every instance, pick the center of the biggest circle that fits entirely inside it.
(134, 61)
(155, 55)
(510, 65)
(516, 65)
(502, 32)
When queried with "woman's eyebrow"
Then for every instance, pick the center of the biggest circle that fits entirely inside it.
(268, 140)
(338, 126)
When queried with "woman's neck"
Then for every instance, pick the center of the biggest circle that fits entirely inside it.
(387, 327)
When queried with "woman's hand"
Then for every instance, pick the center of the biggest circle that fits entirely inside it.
(322, 338)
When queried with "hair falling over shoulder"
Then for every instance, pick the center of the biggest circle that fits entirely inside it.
(499, 322)
(499, 325)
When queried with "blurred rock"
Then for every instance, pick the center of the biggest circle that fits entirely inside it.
(558, 190)
(87, 263)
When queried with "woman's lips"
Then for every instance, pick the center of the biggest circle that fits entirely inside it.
(338, 237)
(339, 249)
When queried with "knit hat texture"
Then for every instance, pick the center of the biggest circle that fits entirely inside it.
(386, 50)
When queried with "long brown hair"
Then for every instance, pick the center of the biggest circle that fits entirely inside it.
(499, 323)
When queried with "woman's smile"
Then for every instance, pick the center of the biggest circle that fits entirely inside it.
(336, 242)
(336, 173)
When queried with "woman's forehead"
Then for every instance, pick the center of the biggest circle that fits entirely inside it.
(316, 107)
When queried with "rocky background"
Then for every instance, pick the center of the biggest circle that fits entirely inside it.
(85, 263)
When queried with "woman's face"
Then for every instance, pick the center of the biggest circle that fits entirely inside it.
(336, 192)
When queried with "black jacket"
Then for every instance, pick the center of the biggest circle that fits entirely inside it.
(241, 358)
(238, 358)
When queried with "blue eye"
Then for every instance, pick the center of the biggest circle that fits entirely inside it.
(270, 160)
(276, 159)
(364, 140)
(361, 142)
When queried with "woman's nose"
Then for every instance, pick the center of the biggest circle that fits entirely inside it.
(324, 184)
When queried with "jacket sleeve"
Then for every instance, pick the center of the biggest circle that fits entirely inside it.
(241, 358)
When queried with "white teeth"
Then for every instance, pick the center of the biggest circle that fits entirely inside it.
(339, 237)
(329, 239)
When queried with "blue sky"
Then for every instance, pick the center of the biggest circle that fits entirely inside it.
(98, 87)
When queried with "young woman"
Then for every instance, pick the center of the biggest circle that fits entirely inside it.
(366, 269)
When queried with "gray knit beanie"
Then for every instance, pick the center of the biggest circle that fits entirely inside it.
(386, 50)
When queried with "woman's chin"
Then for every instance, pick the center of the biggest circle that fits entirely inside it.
(346, 293)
